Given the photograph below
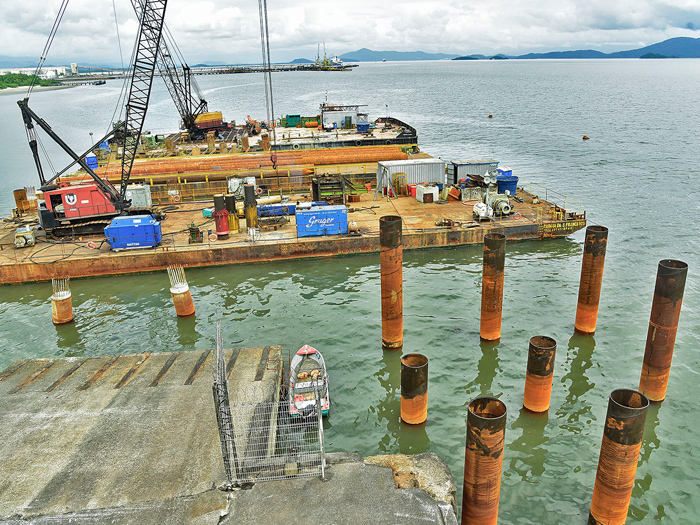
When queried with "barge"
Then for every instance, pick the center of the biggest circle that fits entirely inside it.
(425, 225)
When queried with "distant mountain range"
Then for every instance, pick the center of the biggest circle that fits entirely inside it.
(681, 47)
(367, 55)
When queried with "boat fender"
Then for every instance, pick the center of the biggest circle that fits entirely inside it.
(91, 245)
(358, 142)
(387, 142)
(295, 146)
(517, 216)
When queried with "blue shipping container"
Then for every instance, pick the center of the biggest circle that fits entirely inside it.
(135, 231)
(91, 161)
(363, 127)
(322, 220)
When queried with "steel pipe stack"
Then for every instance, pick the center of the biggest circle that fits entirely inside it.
(483, 461)
(180, 291)
(250, 206)
(61, 301)
(540, 373)
(230, 203)
(391, 263)
(220, 215)
(492, 286)
(414, 388)
(619, 452)
(591, 279)
(663, 324)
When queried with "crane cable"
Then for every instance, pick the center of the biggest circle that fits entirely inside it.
(267, 66)
(49, 41)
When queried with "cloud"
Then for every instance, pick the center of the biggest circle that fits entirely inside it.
(224, 32)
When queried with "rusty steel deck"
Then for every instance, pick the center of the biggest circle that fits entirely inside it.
(49, 259)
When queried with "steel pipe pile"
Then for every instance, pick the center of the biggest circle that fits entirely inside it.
(594, 249)
(220, 215)
(230, 203)
(619, 452)
(483, 461)
(540, 373)
(391, 263)
(663, 325)
(414, 388)
(492, 286)
(180, 291)
(61, 301)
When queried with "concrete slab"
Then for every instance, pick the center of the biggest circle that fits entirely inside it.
(356, 492)
(110, 439)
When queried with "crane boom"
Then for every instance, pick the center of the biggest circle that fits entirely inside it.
(149, 38)
(179, 85)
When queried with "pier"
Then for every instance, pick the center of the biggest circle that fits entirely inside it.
(133, 439)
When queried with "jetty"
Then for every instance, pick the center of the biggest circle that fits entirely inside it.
(134, 439)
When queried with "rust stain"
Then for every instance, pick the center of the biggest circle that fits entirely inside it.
(12, 369)
(132, 371)
(32, 377)
(68, 373)
(97, 375)
(164, 370)
(197, 367)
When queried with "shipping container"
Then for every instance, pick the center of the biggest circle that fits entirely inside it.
(462, 169)
(135, 231)
(322, 220)
(416, 170)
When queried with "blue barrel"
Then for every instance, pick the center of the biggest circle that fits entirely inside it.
(507, 183)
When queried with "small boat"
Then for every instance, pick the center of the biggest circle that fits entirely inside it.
(307, 373)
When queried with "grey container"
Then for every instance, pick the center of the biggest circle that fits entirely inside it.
(416, 170)
(461, 169)
(139, 195)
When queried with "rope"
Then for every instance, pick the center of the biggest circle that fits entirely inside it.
(49, 41)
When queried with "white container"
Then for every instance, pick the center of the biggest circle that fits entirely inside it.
(422, 191)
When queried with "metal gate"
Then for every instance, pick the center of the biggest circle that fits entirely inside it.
(262, 441)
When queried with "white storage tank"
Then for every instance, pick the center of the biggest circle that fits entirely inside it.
(416, 170)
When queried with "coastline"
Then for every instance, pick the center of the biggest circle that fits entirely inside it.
(23, 89)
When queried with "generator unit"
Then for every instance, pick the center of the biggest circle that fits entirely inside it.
(24, 237)
(133, 231)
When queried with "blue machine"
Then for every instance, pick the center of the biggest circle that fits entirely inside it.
(322, 220)
(289, 208)
(135, 231)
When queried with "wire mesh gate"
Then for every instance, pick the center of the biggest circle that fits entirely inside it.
(261, 441)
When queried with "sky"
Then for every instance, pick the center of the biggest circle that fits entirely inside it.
(228, 32)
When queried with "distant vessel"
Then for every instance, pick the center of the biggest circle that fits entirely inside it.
(383, 59)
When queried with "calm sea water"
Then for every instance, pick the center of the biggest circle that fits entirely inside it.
(638, 175)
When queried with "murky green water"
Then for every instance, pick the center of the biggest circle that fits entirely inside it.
(638, 175)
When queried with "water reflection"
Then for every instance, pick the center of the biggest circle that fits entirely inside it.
(650, 442)
(389, 408)
(529, 454)
(487, 370)
(578, 360)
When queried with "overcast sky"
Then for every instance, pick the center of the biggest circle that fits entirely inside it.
(228, 32)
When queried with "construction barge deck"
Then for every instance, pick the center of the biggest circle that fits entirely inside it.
(536, 219)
